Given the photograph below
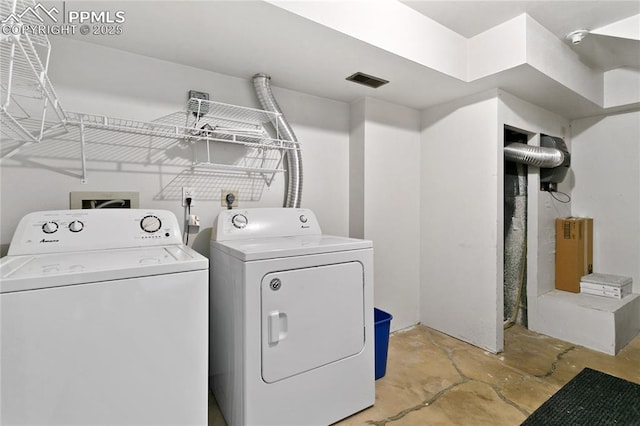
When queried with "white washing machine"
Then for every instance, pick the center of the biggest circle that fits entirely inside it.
(104, 320)
(291, 319)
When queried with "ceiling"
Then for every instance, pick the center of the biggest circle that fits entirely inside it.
(470, 18)
(241, 38)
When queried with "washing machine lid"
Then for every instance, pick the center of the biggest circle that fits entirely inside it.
(277, 247)
(29, 272)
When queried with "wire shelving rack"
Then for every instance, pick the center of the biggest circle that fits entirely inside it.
(30, 111)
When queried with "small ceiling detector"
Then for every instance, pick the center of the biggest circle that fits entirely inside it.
(577, 36)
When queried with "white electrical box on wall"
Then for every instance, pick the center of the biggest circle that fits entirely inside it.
(99, 200)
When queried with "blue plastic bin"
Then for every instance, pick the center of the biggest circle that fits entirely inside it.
(382, 321)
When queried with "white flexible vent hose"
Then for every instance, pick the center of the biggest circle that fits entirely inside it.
(293, 158)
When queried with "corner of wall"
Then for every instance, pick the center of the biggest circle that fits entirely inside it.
(356, 168)
(497, 49)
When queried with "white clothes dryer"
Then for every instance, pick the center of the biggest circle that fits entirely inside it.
(104, 321)
(291, 319)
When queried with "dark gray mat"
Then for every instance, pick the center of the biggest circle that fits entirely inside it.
(590, 398)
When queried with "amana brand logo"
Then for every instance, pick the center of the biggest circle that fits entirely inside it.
(44, 240)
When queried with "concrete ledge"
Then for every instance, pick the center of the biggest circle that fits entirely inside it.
(598, 323)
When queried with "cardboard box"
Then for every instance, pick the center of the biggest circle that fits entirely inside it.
(574, 252)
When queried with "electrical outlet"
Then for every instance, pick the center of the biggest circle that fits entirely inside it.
(188, 192)
(194, 220)
(223, 197)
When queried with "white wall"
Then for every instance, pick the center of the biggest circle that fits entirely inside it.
(606, 156)
(385, 151)
(95, 79)
(461, 227)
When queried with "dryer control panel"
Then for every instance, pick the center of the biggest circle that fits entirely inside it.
(92, 229)
(264, 222)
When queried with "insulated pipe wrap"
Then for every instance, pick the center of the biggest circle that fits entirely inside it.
(293, 158)
(533, 155)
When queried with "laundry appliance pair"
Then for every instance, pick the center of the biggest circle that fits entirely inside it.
(105, 315)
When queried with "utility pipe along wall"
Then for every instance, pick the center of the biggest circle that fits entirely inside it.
(293, 157)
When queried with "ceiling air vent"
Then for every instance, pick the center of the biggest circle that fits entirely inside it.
(367, 80)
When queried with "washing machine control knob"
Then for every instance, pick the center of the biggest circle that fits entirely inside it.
(239, 221)
(303, 218)
(50, 227)
(150, 223)
(76, 226)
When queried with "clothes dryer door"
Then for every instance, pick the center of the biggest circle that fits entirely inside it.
(311, 317)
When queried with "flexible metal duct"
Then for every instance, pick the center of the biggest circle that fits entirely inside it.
(515, 247)
(293, 158)
(534, 155)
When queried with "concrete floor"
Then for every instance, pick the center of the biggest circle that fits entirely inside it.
(434, 379)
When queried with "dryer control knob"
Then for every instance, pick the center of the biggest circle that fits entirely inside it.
(303, 218)
(76, 226)
(50, 227)
(150, 223)
(239, 221)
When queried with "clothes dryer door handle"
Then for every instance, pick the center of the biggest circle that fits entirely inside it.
(277, 327)
(274, 327)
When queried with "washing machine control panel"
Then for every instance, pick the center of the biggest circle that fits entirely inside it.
(264, 222)
(77, 230)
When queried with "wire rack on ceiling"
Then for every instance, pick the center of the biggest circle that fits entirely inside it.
(31, 112)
